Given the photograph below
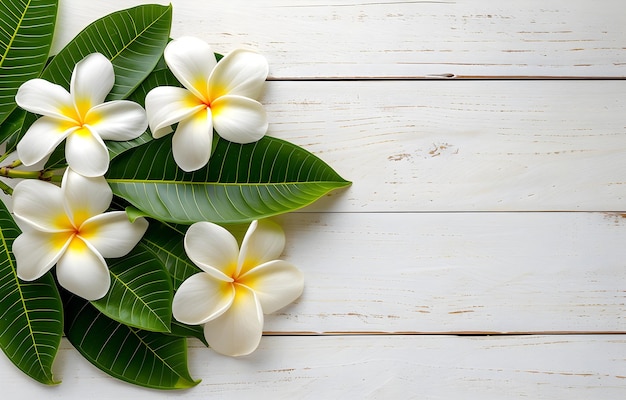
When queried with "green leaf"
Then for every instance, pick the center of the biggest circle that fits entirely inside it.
(151, 359)
(183, 330)
(241, 182)
(26, 29)
(57, 158)
(133, 39)
(117, 148)
(133, 213)
(16, 126)
(141, 293)
(11, 129)
(165, 241)
(31, 317)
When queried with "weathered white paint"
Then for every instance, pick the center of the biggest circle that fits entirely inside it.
(456, 272)
(343, 38)
(464, 145)
(370, 367)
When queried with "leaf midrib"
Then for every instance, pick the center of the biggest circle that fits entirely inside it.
(174, 182)
(149, 243)
(116, 276)
(17, 28)
(135, 332)
(133, 40)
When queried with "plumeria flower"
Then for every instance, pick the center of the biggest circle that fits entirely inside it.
(67, 226)
(221, 95)
(236, 286)
(79, 116)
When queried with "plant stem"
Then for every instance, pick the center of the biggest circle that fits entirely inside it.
(6, 188)
(9, 171)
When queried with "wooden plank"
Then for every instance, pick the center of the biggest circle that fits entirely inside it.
(456, 272)
(461, 146)
(381, 367)
(466, 38)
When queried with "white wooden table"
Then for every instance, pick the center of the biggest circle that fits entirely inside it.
(480, 252)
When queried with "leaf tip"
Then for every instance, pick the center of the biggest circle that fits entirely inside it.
(133, 213)
(54, 382)
(47, 379)
(168, 10)
(184, 383)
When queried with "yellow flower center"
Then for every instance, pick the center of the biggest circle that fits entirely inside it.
(73, 231)
(207, 95)
(240, 278)
(77, 245)
(82, 115)
(217, 90)
(191, 100)
(59, 240)
(82, 131)
(80, 216)
(82, 108)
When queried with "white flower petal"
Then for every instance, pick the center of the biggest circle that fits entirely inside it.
(238, 331)
(40, 205)
(112, 234)
(86, 153)
(83, 271)
(213, 249)
(117, 120)
(264, 241)
(44, 98)
(26, 226)
(84, 197)
(201, 298)
(192, 141)
(167, 105)
(241, 73)
(239, 119)
(191, 60)
(37, 252)
(43, 136)
(92, 80)
(276, 284)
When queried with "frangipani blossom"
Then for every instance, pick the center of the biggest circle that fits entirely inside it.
(220, 95)
(68, 226)
(79, 116)
(236, 286)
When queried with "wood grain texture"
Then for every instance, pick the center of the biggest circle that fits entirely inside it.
(462, 146)
(437, 39)
(456, 272)
(371, 367)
